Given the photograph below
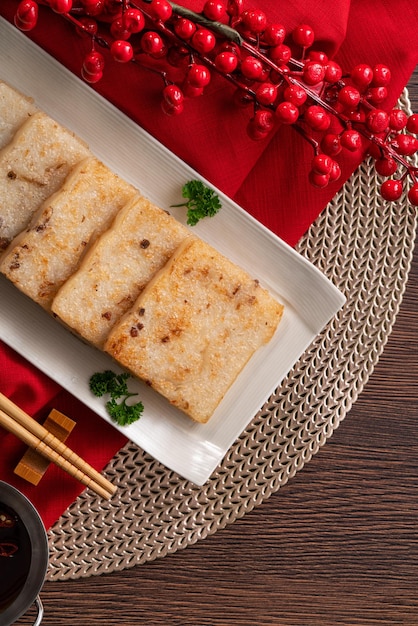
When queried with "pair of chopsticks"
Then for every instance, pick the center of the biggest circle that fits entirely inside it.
(34, 435)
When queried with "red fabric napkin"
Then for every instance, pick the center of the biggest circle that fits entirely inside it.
(269, 179)
(92, 438)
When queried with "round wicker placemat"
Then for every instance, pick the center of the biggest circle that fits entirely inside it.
(365, 247)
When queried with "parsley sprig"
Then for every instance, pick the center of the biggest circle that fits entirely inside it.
(202, 201)
(115, 385)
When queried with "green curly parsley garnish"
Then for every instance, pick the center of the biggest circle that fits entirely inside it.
(202, 201)
(115, 385)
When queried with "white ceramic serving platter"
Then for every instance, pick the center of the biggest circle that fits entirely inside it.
(310, 299)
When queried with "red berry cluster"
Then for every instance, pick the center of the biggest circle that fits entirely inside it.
(278, 75)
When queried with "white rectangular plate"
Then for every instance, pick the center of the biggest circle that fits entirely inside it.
(310, 299)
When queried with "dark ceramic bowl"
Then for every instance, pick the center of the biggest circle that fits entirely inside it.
(23, 555)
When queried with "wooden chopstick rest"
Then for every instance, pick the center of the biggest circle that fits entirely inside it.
(31, 432)
(53, 455)
(32, 466)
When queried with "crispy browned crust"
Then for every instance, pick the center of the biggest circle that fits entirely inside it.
(32, 167)
(194, 328)
(44, 256)
(117, 268)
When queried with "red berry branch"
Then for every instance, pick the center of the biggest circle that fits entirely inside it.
(277, 75)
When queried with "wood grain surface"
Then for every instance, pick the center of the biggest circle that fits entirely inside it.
(337, 545)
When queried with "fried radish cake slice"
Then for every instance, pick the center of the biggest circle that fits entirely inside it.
(194, 328)
(32, 167)
(116, 269)
(15, 109)
(42, 257)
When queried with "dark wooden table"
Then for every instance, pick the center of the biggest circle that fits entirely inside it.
(337, 545)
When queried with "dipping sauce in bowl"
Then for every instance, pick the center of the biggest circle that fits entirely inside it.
(23, 554)
(15, 555)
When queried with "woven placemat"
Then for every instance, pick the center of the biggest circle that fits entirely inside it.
(365, 247)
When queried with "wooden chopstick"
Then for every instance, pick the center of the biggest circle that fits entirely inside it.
(33, 434)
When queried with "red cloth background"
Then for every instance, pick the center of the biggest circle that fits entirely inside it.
(268, 179)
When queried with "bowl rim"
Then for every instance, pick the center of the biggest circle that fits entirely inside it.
(24, 509)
